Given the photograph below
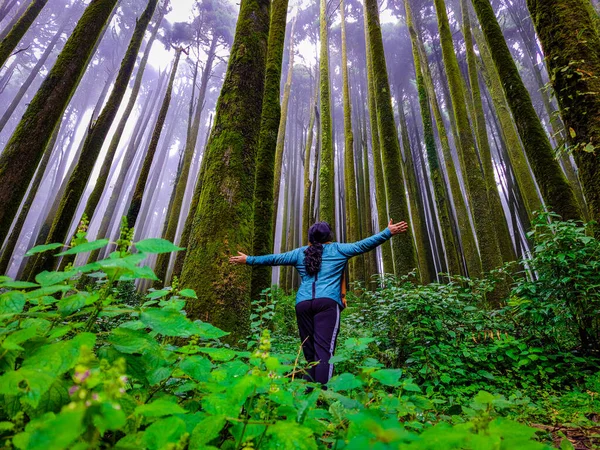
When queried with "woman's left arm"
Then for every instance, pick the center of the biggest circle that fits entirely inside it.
(281, 259)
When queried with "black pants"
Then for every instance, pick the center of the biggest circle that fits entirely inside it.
(318, 324)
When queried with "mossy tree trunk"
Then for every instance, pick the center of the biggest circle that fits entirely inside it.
(223, 223)
(571, 43)
(264, 209)
(5, 8)
(472, 171)
(173, 217)
(403, 250)
(14, 36)
(26, 146)
(485, 154)
(327, 170)
(308, 186)
(356, 265)
(380, 190)
(283, 117)
(140, 187)
(518, 160)
(557, 193)
(92, 146)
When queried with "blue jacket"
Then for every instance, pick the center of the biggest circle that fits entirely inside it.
(326, 283)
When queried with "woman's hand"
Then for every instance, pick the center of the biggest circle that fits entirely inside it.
(240, 259)
(397, 228)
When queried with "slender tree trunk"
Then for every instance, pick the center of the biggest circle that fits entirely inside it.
(306, 211)
(140, 187)
(32, 76)
(371, 257)
(25, 148)
(15, 18)
(557, 193)
(315, 183)
(14, 36)
(5, 8)
(402, 245)
(356, 265)
(162, 262)
(265, 211)
(327, 170)
(92, 146)
(283, 117)
(569, 36)
(472, 172)
(223, 223)
(502, 234)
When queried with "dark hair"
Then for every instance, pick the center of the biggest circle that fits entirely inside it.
(318, 234)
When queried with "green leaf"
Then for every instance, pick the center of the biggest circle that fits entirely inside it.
(572, 133)
(197, 367)
(188, 293)
(132, 341)
(344, 382)
(13, 340)
(139, 273)
(169, 323)
(49, 278)
(207, 429)
(12, 303)
(154, 245)
(411, 387)
(388, 377)
(110, 417)
(72, 303)
(208, 331)
(43, 248)
(159, 408)
(51, 431)
(6, 426)
(163, 432)
(288, 435)
(19, 285)
(45, 291)
(218, 354)
(158, 294)
(589, 148)
(87, 247)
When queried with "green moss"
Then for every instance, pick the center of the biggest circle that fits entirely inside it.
(223, 223)
(12, 39)
(556, 192)
(327, 199)
(402, 245)
(472, 172)
(25, 148)
(569, 36)
(308, 186)
(380, 191)
(267, 145)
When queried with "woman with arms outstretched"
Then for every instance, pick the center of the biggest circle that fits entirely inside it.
(319, 300)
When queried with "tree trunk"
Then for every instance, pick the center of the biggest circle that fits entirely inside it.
(403, 250)
(306, 211)
(140, 187)
(93, 145)
(14, 36)
(5, 8)
(502, 234)
(162, 261)
(557, 193)
(223, 223)
(471, 169)
(571, 43)
(25, 148)
(264, 210)
(327, 170)
(356, 265)
(18, 14)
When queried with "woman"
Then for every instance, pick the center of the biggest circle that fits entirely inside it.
(319, 300)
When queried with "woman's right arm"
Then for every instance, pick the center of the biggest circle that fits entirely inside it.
(368, 244)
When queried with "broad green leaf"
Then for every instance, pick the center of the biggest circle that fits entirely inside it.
(49, 278)
(169, 323)
(18, 337)
(139, 273)
(131, 341)
(218, 354)
(188, 293)
(19, 285)
(411, 387)
(72, 303)
(52, 431)
(290, 435)
(12, 303)
(28, 384)
(206, 430)
(159, 408)
(49, 290)
(344, 382)
(158, 294)
(110, 417)
(388, 377)
(43, 248)
(208, 331)
(6, 426)
(197, 367)
(163, 432)
(87, 247)
(154, 245)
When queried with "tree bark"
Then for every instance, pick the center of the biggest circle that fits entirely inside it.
(14, 36)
